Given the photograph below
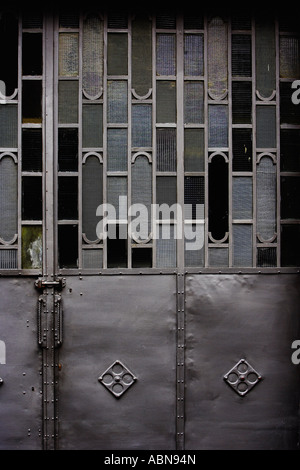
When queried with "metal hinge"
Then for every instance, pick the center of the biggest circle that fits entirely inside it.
(48, 323)
(57, 283)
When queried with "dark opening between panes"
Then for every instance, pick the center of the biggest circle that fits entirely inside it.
(242, 149)
(68, 246)
(68, 197)
(32, 101)
(117, 246)
(9, 51)
(67, 149)
(290, 149)
(290, 247)
(142, 258)
(218, 197)
(32, 61)
(32, 149)
(32, 198)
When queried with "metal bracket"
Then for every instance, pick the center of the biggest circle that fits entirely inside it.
(57, 283)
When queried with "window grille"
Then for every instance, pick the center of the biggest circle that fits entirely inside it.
(159, 108)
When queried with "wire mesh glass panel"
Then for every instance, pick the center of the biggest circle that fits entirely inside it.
(32, 247)
(141, 193)
(117, 54)
(217, 57)
(166, 190)
(92, 125)
(194, 245)
(116, 190)
(241, 102)
(266, 198)
(117, 18)
(290, 247)
(267, 257)
(141, 125)
(92, 54)
(69, 18)
(241, 22)
(141, 55)
(117, 149)
(290, 149)
(165, 54)
(68, 54)
(67, 101)
(242, 197)
(265, 56)
(194, 149)
(218, 257)
(165, 19)
(8, 125)
(218, 125)
(165, 101)
(265, 126)
(241, 58)
(117, 101)
(290, 197)
(242, 150)
(193, 102)
(32, 149)
(166, 247)
(8, 259)
(289, 57)
(192, 21)
(92, 258)
(166, 149)
(92, 195)
(194, 197)
(193, 54)
(242, 245)
(8, 198)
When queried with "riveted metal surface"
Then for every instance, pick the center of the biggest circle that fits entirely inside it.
(131, 319)
(20, 367)
(229, 317)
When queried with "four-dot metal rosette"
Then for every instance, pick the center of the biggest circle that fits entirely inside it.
(117, 379)
(242, 377)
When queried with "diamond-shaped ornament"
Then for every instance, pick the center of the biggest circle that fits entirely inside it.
(117, 379)
(242, 377)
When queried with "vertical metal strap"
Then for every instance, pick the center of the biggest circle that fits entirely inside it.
(180, 361)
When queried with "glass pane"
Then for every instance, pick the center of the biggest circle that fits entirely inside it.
(69, 18)
(242, 245)
(166, 101)
(218, 257)
(9, 125)
(241, 197)
(242, 149)
(194, 246)
(92, 54)
(68, 54)
(68, 246)
(217, 57)
(8, 259)
(117, 18)
(194, 197)
(32, 63)
(193, 54)
(194, 149)
(240, 22)
(117, 247)
(289, 112)
(142, 258)
(165, 54)
(265, 57)
(218, 125)
(193, 102)
(141, 55)
(92, 258)
(117, 101)
(141, 125)
(166, 190)
(267, 257)
(67, 101)
(141, 193)
(166, 149)
(241, 102)
(116, 187)
(241, 55)
(32, 101)
(67, 197)
(290, 149)
(117, 54)
(117, 149)
(32, 247)
(289, 57)
(92, 125)
(193, 21)
(32, 204)
(67, 149)
(290, 197)
(8, 198)
(32, 18)
(92, 197)
(290, 247)
(265, 126)
(9, 50)
(32, 149)
(218, 197)
(266, 198)
(166, 247)
(165, 20)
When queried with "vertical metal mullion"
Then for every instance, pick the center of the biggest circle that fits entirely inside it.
(129, 133)
(153, 215)
(180, 141)
(278, 192)
(206, 201)
(20, 143)
(230, 180)
(104, 172)
(254, 164)
(80, 142)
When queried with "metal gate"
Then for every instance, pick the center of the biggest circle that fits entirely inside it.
(140, 343)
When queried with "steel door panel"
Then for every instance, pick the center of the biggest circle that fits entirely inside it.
(131, 319)
(20, 393)
(230, 317)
